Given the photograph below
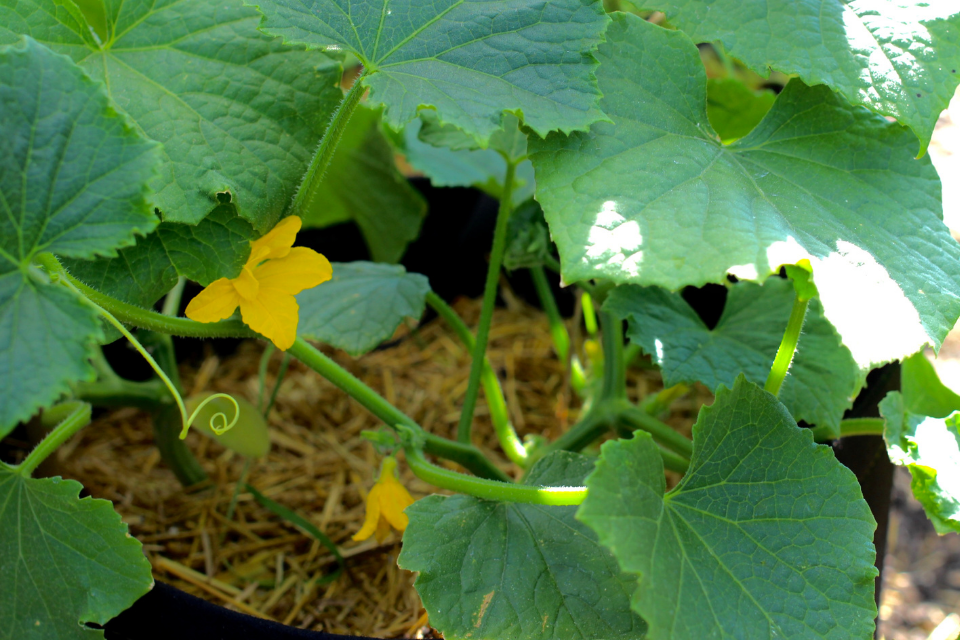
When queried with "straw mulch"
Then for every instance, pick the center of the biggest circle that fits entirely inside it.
(321, 467)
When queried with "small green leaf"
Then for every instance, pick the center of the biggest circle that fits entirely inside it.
(466, 166)
(471, 60)
(364, 185)
(923, 392)
(491, 570)
(656, 199)
(766, 536)
(734, 109)
(901, 59)
(930, 449)
(214, 248)
(528, 238)
(64, 561)
(237, 112)
(72, 181)
(823, 378)
(249, 437)
(361, 306)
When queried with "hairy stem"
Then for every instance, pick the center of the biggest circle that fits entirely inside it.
(491, 489)
(558, 330)
(851, 427)
(327, 147)
(123, 393)
(788, 346)
(467, 456)
(663, 433)
(77, 418)
(486, 312)
(614, 366)
(499, 416)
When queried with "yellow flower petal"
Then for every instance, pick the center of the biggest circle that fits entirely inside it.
(274, 315)
(372, 519)
(217, 302)
(393, 500)
(246, 285)
(301, 269)
(383, 530)
(278, 240)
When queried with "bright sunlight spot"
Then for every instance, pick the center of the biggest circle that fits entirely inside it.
(615, 239)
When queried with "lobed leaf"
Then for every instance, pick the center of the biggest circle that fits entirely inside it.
(655, 199)
(64, 561)
(237, 112)
(362, 305)
(72, 181)
(491, 570)
(900, 58)
(471, 60)
(766, 536)
(823, 378)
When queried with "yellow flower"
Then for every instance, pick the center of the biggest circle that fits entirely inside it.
(265, 288)
(385, 504)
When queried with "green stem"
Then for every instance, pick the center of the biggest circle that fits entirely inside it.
(551, 263)
(788, 346)
(77, 419)
(661, 432)
(588, 429)
(174, 451)
(262, 373)
(672, 461)
(486, 311)
(589, 313)
(171, 302)
(284, 363)
(499, 416)
(491, 489)
(327, 147)
(122, 393)
(851, 427)
(558, 330)
(146, 319)
(465, 455)
(614, 366)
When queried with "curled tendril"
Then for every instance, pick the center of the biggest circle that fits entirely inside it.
(53, 268)
(220, 416)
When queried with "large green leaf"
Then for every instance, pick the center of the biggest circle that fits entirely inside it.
(491, 570)
(766, 536)
(528, 238)
(237, 112)
(63, 561)
(656, 199)
(734, 109)
(364, 185)
(823, 376)
(72, 181)
(469, 59)
(930, 449)
(900, 58)
(923, 392)
(362, 305)
(484, 169)
(216, 247)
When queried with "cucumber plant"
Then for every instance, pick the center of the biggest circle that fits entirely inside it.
(146, 144)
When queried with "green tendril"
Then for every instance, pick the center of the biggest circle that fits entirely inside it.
(219, 417)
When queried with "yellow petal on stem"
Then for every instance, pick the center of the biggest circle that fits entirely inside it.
(278, 240)
(383, 529)
(246, 285)
(274, 315)
(301, 269)
(217, 302)
(394, 499)
(372, 520)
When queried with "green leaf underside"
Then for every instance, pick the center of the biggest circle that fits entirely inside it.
(766, 536)
(361, 306)
(484, 169)
(930, 449)
(734, 109)
(899, 58)
(237, 112)
(63, 560)
(471, 60)
(655, 199)
(491, 570)
(823, 378)
(216, 247)
(923, 392)
(363, 184)
(72, 181)
(528, 238)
